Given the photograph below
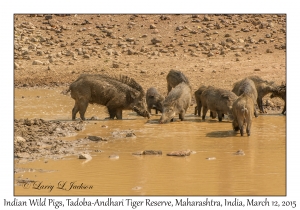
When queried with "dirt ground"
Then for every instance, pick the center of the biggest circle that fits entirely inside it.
(218, 50)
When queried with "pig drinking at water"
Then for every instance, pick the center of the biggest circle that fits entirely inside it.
(263, 87)
(242, 111)
(280, 92)
(248, 86)
(116, 93)
(174, 78)
(177, 102)
(217, 100)
(154, 100)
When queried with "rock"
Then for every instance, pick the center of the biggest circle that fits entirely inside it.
(269, 51)
(143, 71)
(148, 152)
(48, 17)
(115, 65)
(96, 138)
(39, 52)
(155, 31)
(152, 26)
(84, 156)
(16, 66)
(19, 139)
(110, 52)
(238, 54)
(137, 188)
(114, 157)
(180, 153)
(86, 56)
(239, 152)
(269, 103)
(206, 18)
(22, 155)
(37, 62)
(131, 134)
(52, 60)
(155, 41)
(131, 39)
(210, 158)
(94, 118)
(179, 28)
(210, 54)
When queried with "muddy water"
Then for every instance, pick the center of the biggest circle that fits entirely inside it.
(213, 169)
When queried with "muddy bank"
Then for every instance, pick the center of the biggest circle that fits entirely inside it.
(37, 138)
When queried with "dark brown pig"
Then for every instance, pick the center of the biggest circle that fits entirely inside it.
(198, 99)
(174, 78)
(116, 93)
(263, 87)
(177, 102)
(217, 100)
(154, 100)
(248, 86)
(197, 94)
(242, 111)
(280, 92)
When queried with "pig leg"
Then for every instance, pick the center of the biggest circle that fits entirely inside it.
(259, 103)
(213, 115)
(255, 112)
(196, 110)
(119, 114)
(112, 112)
(181, 115)
(199, 109)
(74, 111)
(220, 116)
(156, 111)
(248, 128)
(235, 125)
(241, 126)
(205, 109)
(149, 110)
(82, 108)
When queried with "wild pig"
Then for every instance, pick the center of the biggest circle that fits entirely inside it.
(197, 94)
(116, 93)
(242, 112)
(198, 99)
(154, 100)
(177, 102)
(248, 86)
(263, 87)
(217, 100)
(280, 92)
(175, 77)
